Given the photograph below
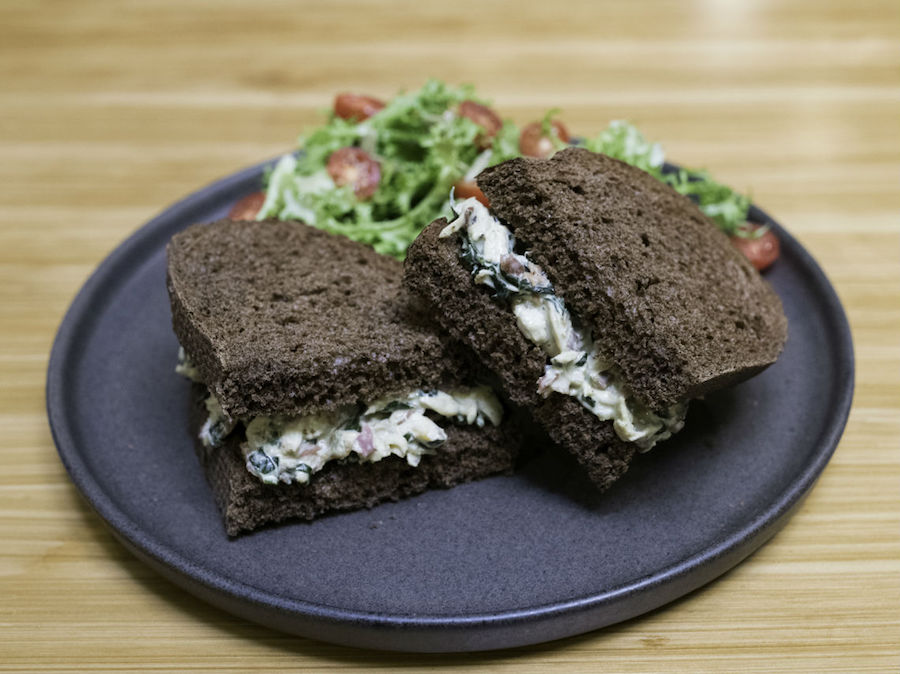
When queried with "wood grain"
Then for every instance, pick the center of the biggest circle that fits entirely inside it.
(110, 111)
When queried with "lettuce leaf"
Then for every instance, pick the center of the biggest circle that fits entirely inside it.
(423, 148)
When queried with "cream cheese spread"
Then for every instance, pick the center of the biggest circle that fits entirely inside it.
(185, 367)
(291, 449)
(574, 367)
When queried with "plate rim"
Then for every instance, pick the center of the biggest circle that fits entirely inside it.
(433, 632)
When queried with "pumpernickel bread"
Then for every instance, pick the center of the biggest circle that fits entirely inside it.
(666, 297)
(469, 313)
(282, 320)
(678, 309)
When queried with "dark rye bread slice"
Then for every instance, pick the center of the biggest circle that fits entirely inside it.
(636, 311)
(434, 273)
(669, 299)
(283, 319)
(246, 503)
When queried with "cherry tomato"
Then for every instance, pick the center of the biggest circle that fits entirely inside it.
(356, 107)
(533, 142)
(354, 166)
(762, 250)
(248, 207)
(464, 189)
(484, 117)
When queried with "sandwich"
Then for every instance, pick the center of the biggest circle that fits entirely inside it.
(601, 299)
(318, 387)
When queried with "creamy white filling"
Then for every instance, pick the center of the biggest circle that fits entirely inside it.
(575, 367)
(218, 425)
(185, 367)
(291, 449)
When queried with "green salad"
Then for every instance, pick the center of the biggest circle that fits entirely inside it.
(379, 172)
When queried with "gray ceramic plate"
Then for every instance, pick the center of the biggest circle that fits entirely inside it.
(502, 562)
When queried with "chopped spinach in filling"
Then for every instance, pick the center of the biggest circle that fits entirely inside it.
(280, 449)
(575, 367)
(290, 450)
(218, 425)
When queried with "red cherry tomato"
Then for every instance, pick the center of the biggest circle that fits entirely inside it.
(484, 117)
(533, 142)
(248, 207)
(354, 166)
(761, 250)
(356, 107)
(464, 189)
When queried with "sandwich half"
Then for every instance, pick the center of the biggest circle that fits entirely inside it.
(601, 299)
(318, 388)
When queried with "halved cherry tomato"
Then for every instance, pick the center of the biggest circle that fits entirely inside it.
(464, 189)
(354, 166)
(761, 250)
(484, 117)
(248, 207)
(533, 142)
(356, 107)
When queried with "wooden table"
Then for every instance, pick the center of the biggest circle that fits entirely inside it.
(108, 112)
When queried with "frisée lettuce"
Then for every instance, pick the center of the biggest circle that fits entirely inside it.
(423, 146)
(726, 207)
